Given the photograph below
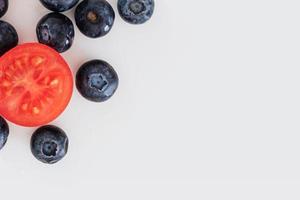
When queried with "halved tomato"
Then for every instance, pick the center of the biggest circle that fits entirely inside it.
(36, 84)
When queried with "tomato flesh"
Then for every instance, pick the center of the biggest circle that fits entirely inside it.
(36, 85)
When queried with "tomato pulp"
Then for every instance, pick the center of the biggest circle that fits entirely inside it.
(36, 84)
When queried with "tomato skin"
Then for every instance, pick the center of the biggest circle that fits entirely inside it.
(36, 85)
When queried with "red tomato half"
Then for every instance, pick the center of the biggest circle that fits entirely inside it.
(36, 85)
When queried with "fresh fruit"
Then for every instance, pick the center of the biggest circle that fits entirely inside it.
(96, 80)
(56, 30)
(49, 144)
(136, 11)
(36, 84)
(3, 7)
(8, 37)
(59, 5)
(4, 131)
(94, 18)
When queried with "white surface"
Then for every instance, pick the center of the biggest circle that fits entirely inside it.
(208, 108)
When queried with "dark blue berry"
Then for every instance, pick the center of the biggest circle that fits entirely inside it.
(94, 18)
(136, 11)
(96, 80)
(8, 37)
(4, 131)
(59, 5)
(49, 144)
(56, 30)
(3, 7)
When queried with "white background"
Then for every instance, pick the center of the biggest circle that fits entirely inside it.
(208, 108)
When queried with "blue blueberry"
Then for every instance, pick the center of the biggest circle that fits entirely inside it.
(49, 144)
(4, 132)
(96, 80)
(3, 7)
(94, 18)
(136, 11)
(8, 37)
(56, 30)
(59, 5)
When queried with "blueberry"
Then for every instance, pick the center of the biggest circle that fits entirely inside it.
(94, 18)
(96, 80)
(49, 144)
(4, 131)
(59, 5)
(3, 7)
(136, 11)
(56, 30)
(8, 37)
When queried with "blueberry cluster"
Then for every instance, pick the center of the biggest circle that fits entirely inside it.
(96, 80)
(94, 19)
